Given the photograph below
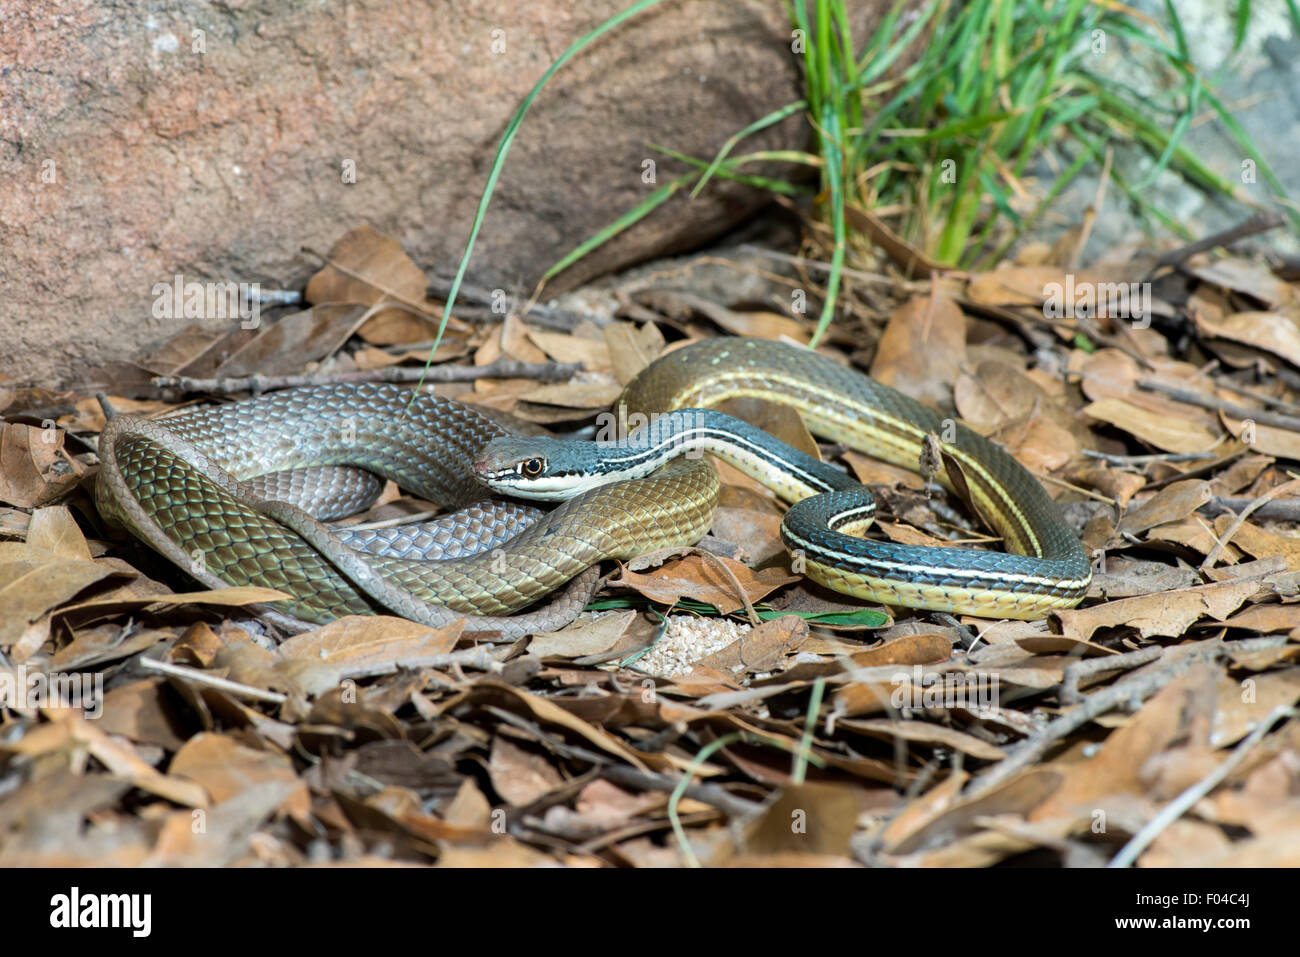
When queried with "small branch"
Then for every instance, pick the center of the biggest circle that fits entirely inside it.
(1137, 687)
(196, 675)
(1288, 511)
(1279, 404)
(478, 657)
(1146, 459)
(1030, 750)
(473, 302)
(1179, 806)
(628, 776)
(1222, 541)
(500, 369)
(1289, 422)
(1094, 666)
(1261, 222)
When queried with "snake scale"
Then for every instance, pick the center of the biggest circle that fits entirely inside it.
(181, 485)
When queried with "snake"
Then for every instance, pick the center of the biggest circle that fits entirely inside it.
(188, 486)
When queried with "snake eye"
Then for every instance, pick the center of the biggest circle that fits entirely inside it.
(531, 468)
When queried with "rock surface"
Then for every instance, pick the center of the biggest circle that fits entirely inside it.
(139, 141)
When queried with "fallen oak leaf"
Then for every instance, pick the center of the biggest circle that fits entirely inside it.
(27, 457)
(1166, 614)
(699, 578)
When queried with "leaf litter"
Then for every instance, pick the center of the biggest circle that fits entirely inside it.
(708, 697)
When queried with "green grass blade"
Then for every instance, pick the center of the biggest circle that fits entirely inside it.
(639, 212)
(503, 148)
(776, 116)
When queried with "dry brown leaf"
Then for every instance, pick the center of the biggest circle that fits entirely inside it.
(632, 349)
(1167, 433)
(1164, 613)
(574, 395)
(1242, 705)
(1113, 483)
(1118, 767)
(697, 577)
(521, 775)
(1270, 331)
(1039, 444)
(1246, 276)
(365, 266)
(1019, 795)
(358, 640)
(583, 637)
(889, 729)
(921, 350)
(995, 395)
(289, 345)
(235, 595)
(27, 457)
(54, 531)
(762, 648)
(592, 353)
(1255, 541)
(1172, 503)
(28, 589)
(224, 767)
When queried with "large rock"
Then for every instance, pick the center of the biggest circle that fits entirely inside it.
(216, 140)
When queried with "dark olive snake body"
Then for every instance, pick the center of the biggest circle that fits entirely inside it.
(178, 485)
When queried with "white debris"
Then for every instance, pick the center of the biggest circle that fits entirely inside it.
(689, 639)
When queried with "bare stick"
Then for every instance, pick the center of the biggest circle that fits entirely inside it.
(1136, 687)
(1181, 804)
(1145, 459)
(473, 302)
(198, 676)
(1259, 223)
(626, 775)
(1288, 511)
(1094, 666)
(500, 369)
(478, 657)
(1289, 422)
(1237, 522)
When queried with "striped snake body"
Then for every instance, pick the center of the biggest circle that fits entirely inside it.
(180, 484)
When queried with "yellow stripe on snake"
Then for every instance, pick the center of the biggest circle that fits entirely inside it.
(179, 484)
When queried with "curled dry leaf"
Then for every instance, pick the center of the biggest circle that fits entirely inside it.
(1163, 613)
(27, 458)
(697, 577)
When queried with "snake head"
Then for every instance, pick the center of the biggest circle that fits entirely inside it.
(528, 468)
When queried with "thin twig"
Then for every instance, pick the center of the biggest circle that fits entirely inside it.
(1240, 520)
(628, 776)
(1264, 417)
(500, 369)
(1137, 687)
(1279, 404)
(1258, 223)
(198, 676)
(1081, 669)
(1288, 511)
(1181, 804)
(1145, 459)
(477, 657)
